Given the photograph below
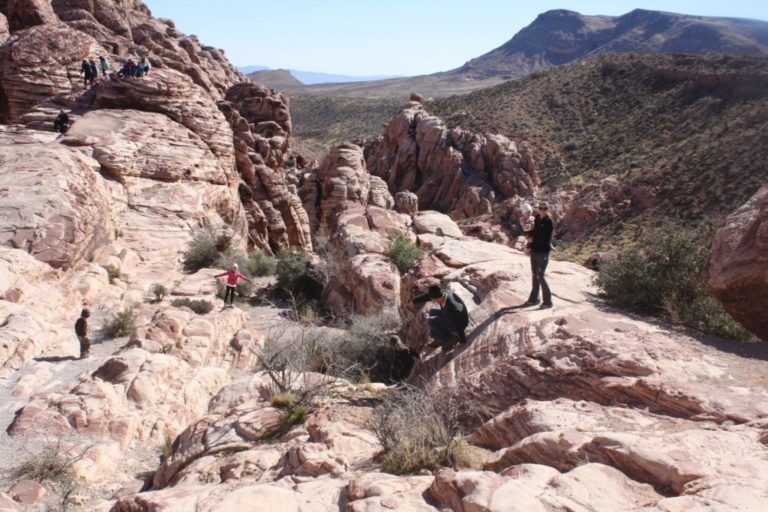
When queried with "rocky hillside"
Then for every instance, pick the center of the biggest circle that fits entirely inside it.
(221, 409)
(625, 141)
(277, 79)
(559, 37)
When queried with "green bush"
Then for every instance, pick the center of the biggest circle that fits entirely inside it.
(292, 269)
(664, 275)
(201, 307)
(260, 265)
(159, 291)
(118, 325)
(403, 253)
(203, 251)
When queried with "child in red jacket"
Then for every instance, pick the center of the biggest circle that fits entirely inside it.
(233, 276)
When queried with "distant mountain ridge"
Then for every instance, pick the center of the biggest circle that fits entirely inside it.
(311, 77)
(558, 37)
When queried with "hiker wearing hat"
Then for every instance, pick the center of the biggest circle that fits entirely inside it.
(541, 245)
(81, 329)
(233, 276)
(450, 321)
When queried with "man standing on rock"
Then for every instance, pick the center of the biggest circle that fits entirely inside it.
(81, 329)
(450, 321)
(543, 228)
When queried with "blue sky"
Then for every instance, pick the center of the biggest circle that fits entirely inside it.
(395, 37)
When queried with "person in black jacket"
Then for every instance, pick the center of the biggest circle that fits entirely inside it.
(61, 123)
(543, 228)
(81, 329)
(450, 321)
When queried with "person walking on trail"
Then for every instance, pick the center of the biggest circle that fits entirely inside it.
(94, 72)
(61, 123)
(233, 276)
(541, 245)
(448, 323)
(81, 329)
(104, 65)
(85, 70)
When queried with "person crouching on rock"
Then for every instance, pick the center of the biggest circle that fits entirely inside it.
(81, 329)
(61, 123)
(448, 323)
(233, 276)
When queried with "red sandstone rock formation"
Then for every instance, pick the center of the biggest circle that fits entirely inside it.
(261, 123)
(738, 267)
(450, 170)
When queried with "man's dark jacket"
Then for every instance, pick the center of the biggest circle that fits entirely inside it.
(543, 228)
(454, 308)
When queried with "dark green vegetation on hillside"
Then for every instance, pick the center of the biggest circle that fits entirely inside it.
(693, 128)
(324, 122)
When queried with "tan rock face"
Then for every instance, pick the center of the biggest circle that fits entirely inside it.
(55, 206)
(738, 266)
(352, 208)
(449, 170)
(261, 123)
(5, 33)
(29, 13)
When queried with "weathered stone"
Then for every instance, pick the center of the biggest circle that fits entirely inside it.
(738, 266)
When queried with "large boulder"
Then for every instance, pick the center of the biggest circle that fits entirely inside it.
(450, 170)
(56, 205)
(738, 266)
(29, 13)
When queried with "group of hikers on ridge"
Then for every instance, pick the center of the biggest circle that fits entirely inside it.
(91, 70)
(449, 322)
(130, 69)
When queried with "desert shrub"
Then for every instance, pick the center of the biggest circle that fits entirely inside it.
(199, 306)
(283, 399)
(363, 351)
(422, 430)
(118, 325)
(51, 463)
(260, 264)
(664, 275)
(204, 250)
(403, 253)
(166, 448)
(113, 273)
(293, 269)
(159, 291)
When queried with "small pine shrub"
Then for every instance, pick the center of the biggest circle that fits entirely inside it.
(166, 448)
(403, 253)
(118, 325)
(201, 307)
(159, 291)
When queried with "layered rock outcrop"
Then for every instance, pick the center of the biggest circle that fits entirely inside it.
(48, 41)
(346, 207)
(261, 123)
(738, 267)
(450, 170)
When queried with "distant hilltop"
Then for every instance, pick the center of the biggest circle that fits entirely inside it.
(307, 77)
(558, 37)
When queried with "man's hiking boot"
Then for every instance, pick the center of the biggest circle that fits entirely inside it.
(530, 302)
(546, 305)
